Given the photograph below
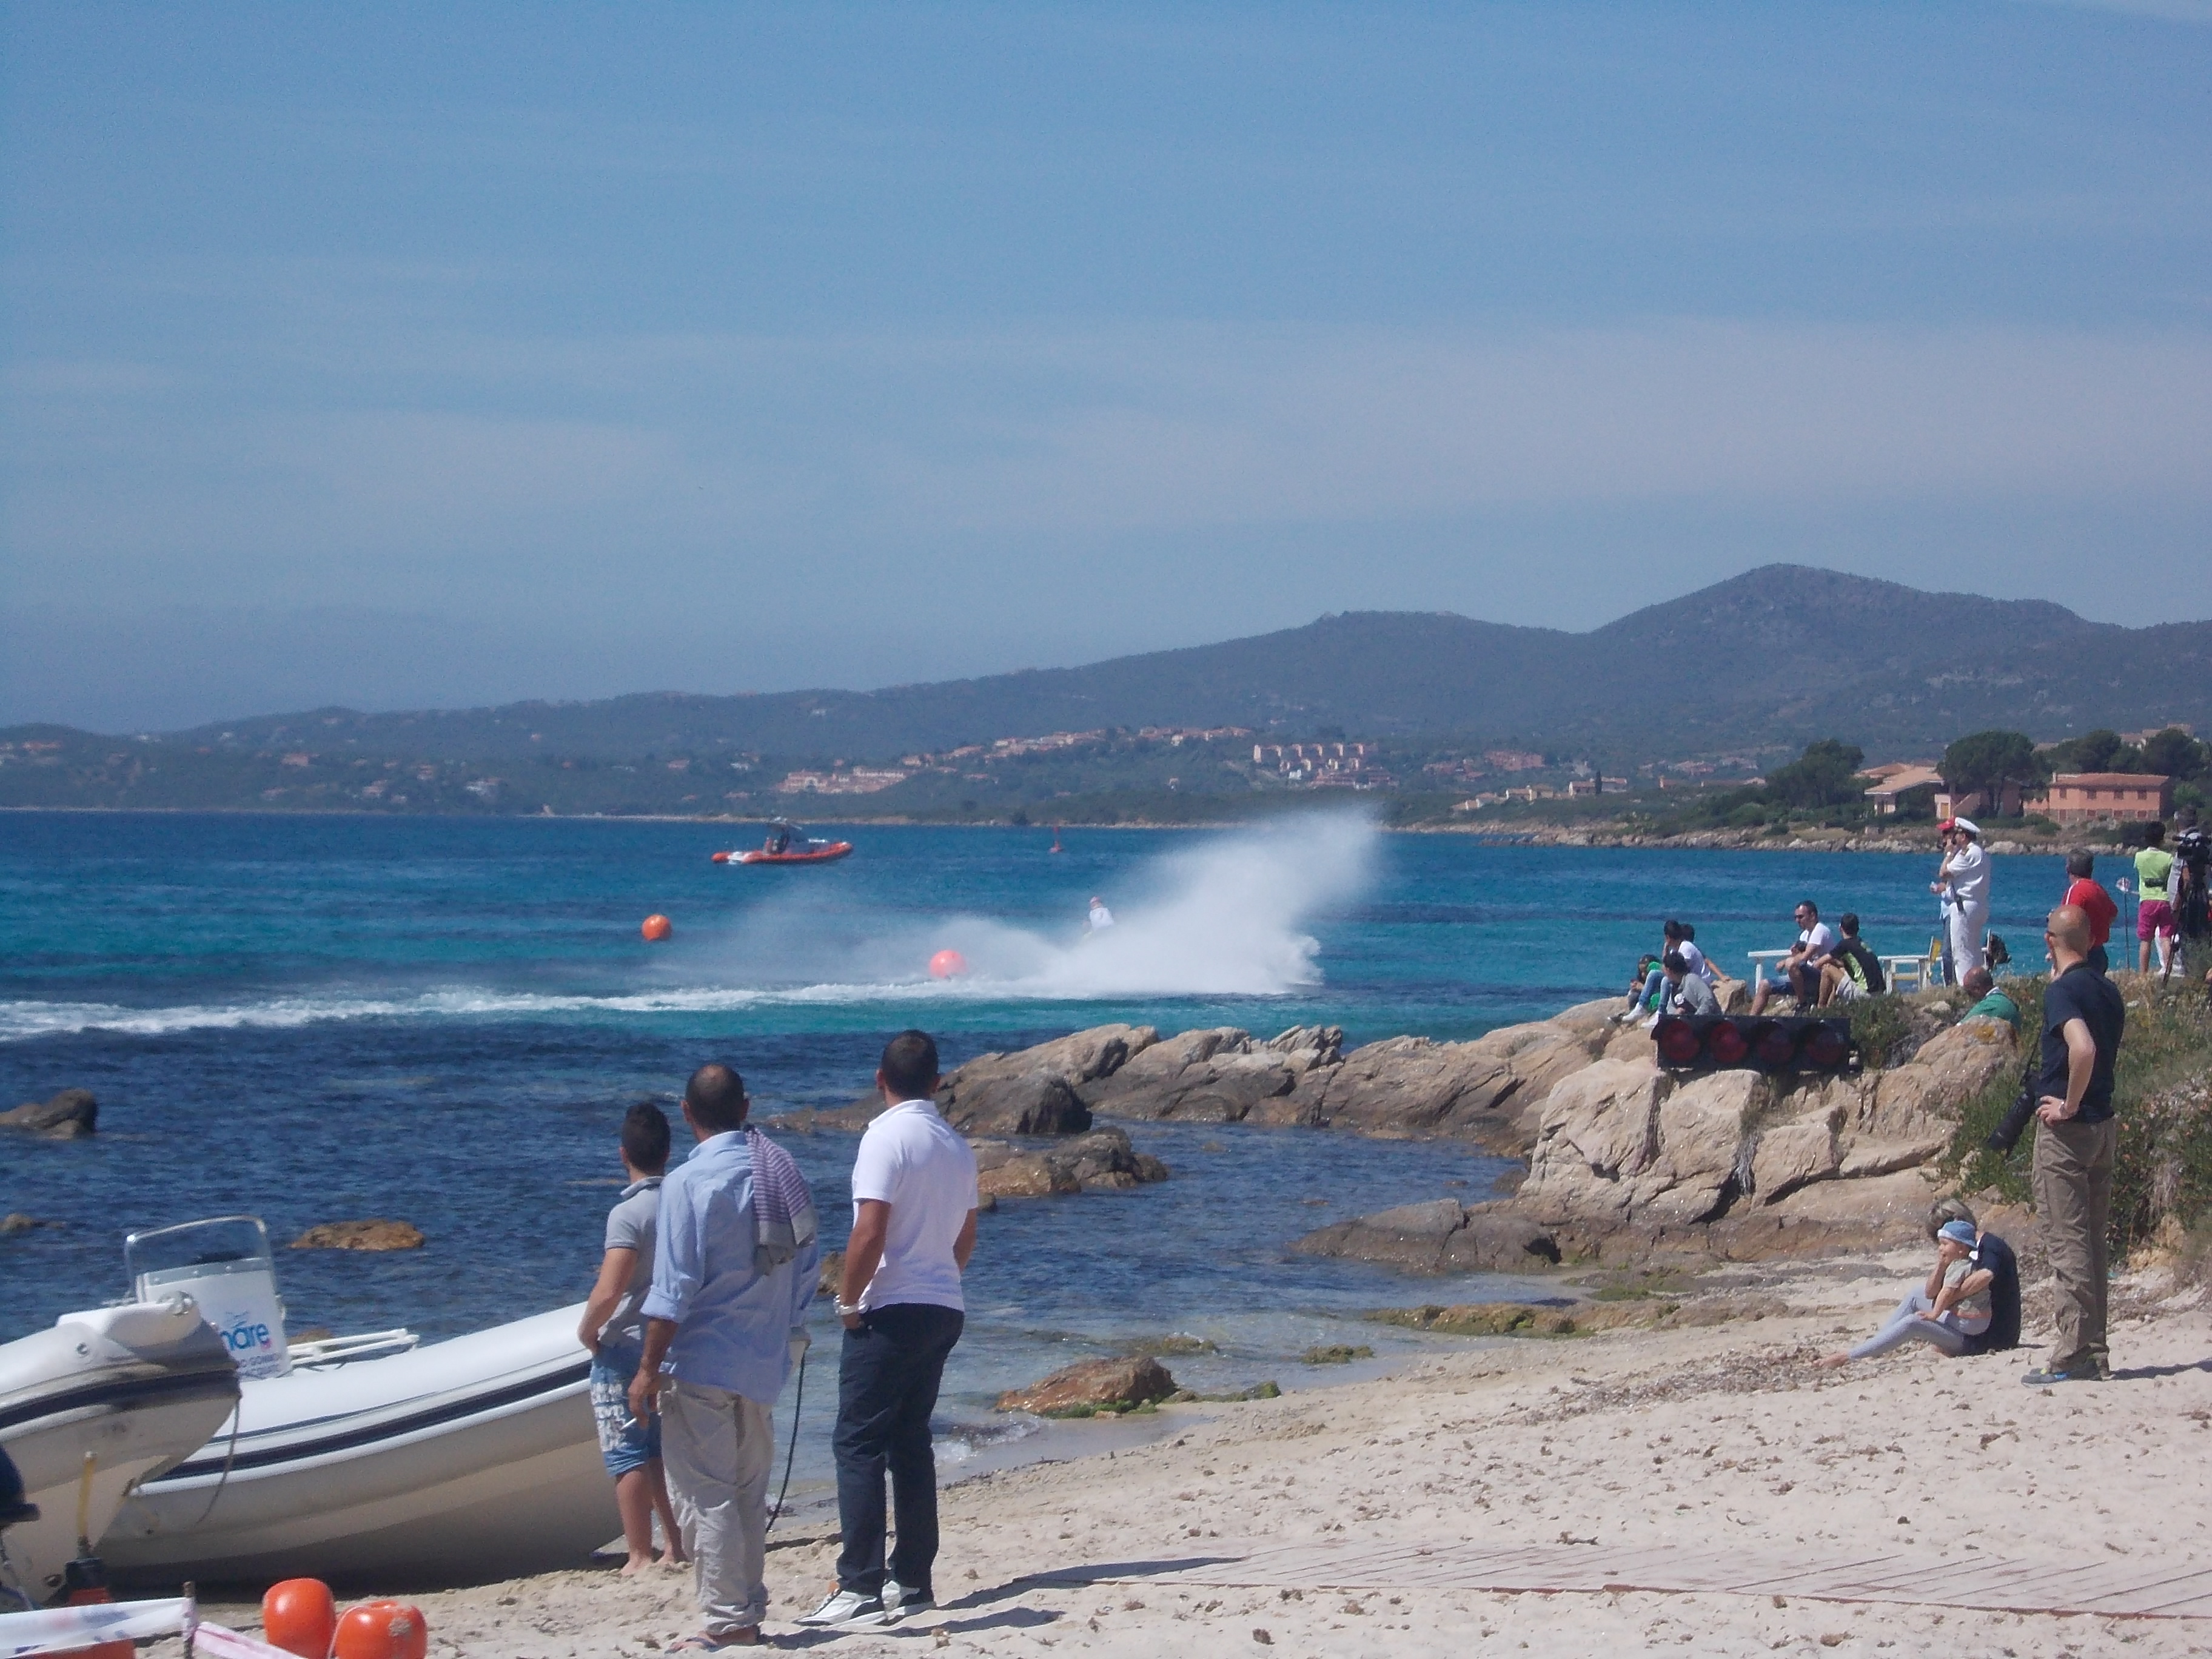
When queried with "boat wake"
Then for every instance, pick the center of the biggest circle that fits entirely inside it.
(1225, 918)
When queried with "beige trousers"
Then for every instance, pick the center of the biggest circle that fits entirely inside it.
(2072, 1208)
(718, 1448)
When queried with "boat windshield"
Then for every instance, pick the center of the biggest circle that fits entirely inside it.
(228, 1238)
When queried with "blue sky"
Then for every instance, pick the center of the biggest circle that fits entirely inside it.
(401, 356)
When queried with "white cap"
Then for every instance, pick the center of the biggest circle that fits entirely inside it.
(1966, 824)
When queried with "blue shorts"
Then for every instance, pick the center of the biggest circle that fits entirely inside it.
(625, 1441)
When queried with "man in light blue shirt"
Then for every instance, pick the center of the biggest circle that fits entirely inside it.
(717, 1326)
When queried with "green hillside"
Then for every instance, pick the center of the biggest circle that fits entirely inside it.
(1755, 666)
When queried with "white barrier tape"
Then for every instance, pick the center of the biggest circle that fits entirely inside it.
(64, 1630)
(220, 1643)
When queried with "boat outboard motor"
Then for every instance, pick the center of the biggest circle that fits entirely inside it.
(137, 1388)
(14, 1508)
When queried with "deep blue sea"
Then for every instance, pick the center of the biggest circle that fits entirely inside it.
(320, 1018)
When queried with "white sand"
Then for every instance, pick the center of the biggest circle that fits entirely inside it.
(1725, 1435)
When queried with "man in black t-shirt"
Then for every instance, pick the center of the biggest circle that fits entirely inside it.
(1854, 971)
(1994, 1256)
(2083, 1017)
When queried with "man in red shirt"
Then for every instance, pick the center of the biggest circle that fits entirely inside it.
(2089, 897)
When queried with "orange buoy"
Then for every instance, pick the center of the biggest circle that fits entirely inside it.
(947, 964)
(381, 1630)
(300, 1616)
(656, 928)
(718, 858)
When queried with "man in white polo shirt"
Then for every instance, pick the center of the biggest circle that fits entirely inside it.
(913, 1229)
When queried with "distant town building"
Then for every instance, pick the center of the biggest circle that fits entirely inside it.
(1896, 778)
(2088, 797)
(1515, 760)
(861, 781)
(1177, 736)
(1343, 764)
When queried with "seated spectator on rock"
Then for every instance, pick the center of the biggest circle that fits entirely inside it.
(1645, 994)
(1854, 971)
(1686, 990)
(1801, 970)
(1994, 1003)
(2085, 894)
(1954, 1308)
(1643, 990)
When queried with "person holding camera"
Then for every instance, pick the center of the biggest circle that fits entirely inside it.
(2192, 855)
(2083, 1020)
(1962, 881)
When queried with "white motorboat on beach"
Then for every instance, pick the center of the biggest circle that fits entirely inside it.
(471, 1458)
(135, 1389)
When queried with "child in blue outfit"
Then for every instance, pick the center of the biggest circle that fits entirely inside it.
(614, 1331)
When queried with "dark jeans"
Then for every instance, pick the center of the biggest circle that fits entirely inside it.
(887, 1379)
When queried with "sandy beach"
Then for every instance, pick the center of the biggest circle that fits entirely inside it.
(1691, 1443)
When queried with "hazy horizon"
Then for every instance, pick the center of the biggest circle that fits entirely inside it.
(400, 357)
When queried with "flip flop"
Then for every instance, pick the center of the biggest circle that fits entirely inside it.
(707, 1644)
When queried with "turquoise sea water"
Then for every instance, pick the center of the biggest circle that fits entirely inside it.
(320, 1018)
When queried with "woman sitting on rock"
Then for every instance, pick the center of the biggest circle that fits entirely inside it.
(1955, 1311)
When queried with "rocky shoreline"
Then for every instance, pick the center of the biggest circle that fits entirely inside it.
(1627, 1163)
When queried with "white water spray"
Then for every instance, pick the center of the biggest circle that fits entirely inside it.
(1226, 915)
(1227, 918)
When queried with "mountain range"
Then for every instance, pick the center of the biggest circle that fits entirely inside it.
(1772, 658)
(1750, 668)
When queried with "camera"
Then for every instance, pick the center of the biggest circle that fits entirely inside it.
(2019, 1115)
(2014, 1124)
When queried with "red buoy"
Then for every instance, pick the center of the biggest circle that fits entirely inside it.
(299, 1616)
(381, 1630)
(947, 964)
(656, 928)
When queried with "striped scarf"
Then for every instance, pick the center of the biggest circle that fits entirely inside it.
(783, 1205)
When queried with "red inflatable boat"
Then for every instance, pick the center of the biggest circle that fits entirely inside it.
(788, 843)
(815, 852)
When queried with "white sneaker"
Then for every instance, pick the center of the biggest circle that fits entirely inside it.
(849, 1607)
(899, 1602)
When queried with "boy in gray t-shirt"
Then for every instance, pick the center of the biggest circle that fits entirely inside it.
(614, 1331)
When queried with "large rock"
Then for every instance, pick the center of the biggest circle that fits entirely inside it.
(1219, 1075)
(1093, 1386)
(1600, 1133)
(1443, 1236)
(1101, 1161)
(1035, 1092)
(1412, 1086)
(372, 1234)
(1491, 1090)
(1631, 1164)
(70, 1116)
(1701, 1131)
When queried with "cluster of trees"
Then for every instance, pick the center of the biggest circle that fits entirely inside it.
(1825, 779)
(1988, 761)
(2172, 753)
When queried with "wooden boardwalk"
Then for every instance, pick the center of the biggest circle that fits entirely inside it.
(2115, 1586)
